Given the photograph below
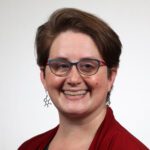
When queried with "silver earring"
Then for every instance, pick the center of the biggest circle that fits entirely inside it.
(47, 100)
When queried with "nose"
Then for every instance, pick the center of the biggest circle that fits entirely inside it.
(74, 77)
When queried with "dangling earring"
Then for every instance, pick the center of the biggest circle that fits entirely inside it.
(108, 99)
(47, 100)
(108, 102)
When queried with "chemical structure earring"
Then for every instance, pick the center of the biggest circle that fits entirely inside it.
(47, 100)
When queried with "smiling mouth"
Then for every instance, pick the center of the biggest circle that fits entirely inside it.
(75, 93)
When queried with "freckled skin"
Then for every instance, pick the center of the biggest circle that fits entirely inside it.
(75, 46)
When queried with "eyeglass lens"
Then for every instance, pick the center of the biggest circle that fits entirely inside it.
(61, 67)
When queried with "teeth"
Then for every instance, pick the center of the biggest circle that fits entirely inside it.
(75, 93)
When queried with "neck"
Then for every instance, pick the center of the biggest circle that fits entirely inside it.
(78, 126)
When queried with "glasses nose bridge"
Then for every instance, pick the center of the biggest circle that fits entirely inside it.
(74, 64)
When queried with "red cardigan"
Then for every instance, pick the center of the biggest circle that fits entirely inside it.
(110, 136)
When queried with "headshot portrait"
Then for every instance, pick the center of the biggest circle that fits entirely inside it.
(75, 75)
(78, 55)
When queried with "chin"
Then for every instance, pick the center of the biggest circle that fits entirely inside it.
(75, 114)
(74, 111)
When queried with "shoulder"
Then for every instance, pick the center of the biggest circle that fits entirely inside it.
(123, 139)
(120, 138)
(115, 137)
(40, 141)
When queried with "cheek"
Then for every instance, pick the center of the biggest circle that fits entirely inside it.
(53, 82)
(98, 83)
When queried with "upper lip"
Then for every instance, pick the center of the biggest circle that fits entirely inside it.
(74, 90)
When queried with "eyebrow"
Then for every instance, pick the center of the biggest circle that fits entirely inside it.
(59, 58)
(66, 59)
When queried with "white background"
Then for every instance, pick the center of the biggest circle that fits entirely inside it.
(22, 111)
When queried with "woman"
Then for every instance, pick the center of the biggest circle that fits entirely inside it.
(78, 55)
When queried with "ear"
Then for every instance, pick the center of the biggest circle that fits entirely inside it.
(43, 80)
(111, 78)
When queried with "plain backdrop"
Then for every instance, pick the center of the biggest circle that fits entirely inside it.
(22, 111)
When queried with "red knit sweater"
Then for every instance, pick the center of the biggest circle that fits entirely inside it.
(110, 136)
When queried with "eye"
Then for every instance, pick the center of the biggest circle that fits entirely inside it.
(63, 65)
(59, 66)
(87, 66)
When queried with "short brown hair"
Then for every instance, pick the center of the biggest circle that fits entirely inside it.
(61, 20)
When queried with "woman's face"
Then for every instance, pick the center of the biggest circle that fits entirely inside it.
(76, 94)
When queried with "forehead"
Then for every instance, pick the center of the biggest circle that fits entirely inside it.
(74, 45)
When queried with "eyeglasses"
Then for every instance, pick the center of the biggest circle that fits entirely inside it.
(87, 66)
